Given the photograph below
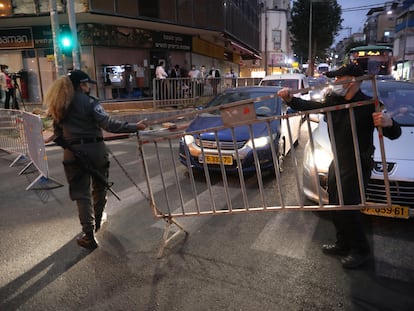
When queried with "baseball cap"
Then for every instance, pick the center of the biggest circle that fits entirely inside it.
(78, 76)
(353, 70)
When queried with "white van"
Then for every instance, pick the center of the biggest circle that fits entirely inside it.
(323, 68)
(295, 81)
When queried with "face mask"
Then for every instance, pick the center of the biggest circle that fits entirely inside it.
(339, 90)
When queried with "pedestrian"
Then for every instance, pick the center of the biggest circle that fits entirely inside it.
(78, 120)
(351, 241)
(214, 76)
(194, 75)
(161, 75)
(3, 83)
(7, 86)
(175, 82)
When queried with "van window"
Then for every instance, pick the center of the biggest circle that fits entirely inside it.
(291, 83)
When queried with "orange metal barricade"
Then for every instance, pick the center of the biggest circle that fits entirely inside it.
(220, 193)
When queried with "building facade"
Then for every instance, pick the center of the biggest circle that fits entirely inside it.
(121, 42)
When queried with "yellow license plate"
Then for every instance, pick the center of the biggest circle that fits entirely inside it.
(395, 211)
(213, 159)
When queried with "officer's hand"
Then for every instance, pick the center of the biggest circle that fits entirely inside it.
(285, 94)
(382, 119)
(142, 125)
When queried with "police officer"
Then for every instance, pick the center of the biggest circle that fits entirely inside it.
(79, 119)
(351, 242)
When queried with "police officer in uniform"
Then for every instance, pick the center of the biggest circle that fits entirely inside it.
(78, 119)
(351, 242)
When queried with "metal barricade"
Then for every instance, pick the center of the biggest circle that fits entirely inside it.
(173, 151)
(33, 128)
(12, 138)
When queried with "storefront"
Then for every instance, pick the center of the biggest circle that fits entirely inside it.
(121, 59)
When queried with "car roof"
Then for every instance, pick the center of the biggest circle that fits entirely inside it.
(264, 89)
(285, 76)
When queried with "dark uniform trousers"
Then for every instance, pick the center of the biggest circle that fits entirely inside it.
(80, 181)
(349, 226)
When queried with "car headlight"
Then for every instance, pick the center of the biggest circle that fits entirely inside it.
(322, 158)
(189, 139)
(258, 142)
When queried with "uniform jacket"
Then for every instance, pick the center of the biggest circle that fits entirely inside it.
(86, 118)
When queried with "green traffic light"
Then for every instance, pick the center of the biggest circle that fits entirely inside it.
(66, 42)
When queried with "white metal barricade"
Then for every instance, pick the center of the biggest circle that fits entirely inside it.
(205, 192)
(33, 129)
(12, 139)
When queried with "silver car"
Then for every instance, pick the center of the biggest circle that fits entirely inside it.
(397, 97)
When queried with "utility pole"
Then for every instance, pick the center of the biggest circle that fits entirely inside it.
(55, 34)
(74, 34)
(310, 62)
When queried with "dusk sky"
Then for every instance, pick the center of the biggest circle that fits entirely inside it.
(355, 18)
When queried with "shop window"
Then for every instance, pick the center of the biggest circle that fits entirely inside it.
(128, 8)
(102, 5)
(148, 8)
(5, 8)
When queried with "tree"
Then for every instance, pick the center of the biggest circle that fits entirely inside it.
(326, 23)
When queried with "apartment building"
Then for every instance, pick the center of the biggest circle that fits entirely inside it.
(128, 38)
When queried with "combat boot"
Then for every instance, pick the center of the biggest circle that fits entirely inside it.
(99, 221)
(88, 241)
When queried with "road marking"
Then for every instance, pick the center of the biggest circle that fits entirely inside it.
(281, 235)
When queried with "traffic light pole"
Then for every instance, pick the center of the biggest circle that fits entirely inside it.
(72, 24)
(55, 33)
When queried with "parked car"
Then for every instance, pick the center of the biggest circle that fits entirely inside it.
(321, 85)
(294, 81)
(397, 97)
(219, 146)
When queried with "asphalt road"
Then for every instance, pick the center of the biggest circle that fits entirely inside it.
(251, 261)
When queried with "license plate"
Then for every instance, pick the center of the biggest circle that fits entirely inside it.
(395, 211)
(213, 159)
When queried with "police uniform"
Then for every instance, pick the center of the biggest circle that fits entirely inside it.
(81, 128)
(351, 238)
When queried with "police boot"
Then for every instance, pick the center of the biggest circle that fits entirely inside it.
(88, 241)
(99, 221)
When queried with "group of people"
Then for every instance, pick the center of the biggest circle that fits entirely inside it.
(7, 88)
(176, 88)
(80, 118)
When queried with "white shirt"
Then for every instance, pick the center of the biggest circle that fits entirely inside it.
(160, 72)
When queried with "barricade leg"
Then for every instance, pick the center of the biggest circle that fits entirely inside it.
(166, 237)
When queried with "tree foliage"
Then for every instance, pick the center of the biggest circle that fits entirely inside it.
(326, 23)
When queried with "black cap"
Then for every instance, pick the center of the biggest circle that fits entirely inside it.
(78, 76)
(353, 70)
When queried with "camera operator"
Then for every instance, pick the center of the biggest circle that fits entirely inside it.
(9, 88)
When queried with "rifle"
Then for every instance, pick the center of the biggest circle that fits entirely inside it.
(84, 161)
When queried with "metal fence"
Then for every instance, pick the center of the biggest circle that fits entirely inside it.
(21, 134)
(182, 92)
(211, 189)
(12, 138)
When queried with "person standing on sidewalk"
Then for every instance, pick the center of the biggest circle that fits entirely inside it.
(7, 86)
(78, 120)
(351, 241)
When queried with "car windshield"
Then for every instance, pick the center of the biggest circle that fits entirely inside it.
(291, 83)
(266, 107)
(397, 98)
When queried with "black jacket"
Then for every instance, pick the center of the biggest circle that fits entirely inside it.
(342, 124)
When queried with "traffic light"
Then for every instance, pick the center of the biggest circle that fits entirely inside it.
(66, 41)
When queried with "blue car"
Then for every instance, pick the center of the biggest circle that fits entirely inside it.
(208, 139)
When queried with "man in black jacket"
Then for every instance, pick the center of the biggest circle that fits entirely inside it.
(351, 241)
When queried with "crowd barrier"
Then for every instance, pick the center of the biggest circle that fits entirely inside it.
(186, 91)
(207, 193)
(12, 138)
(21, 133)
